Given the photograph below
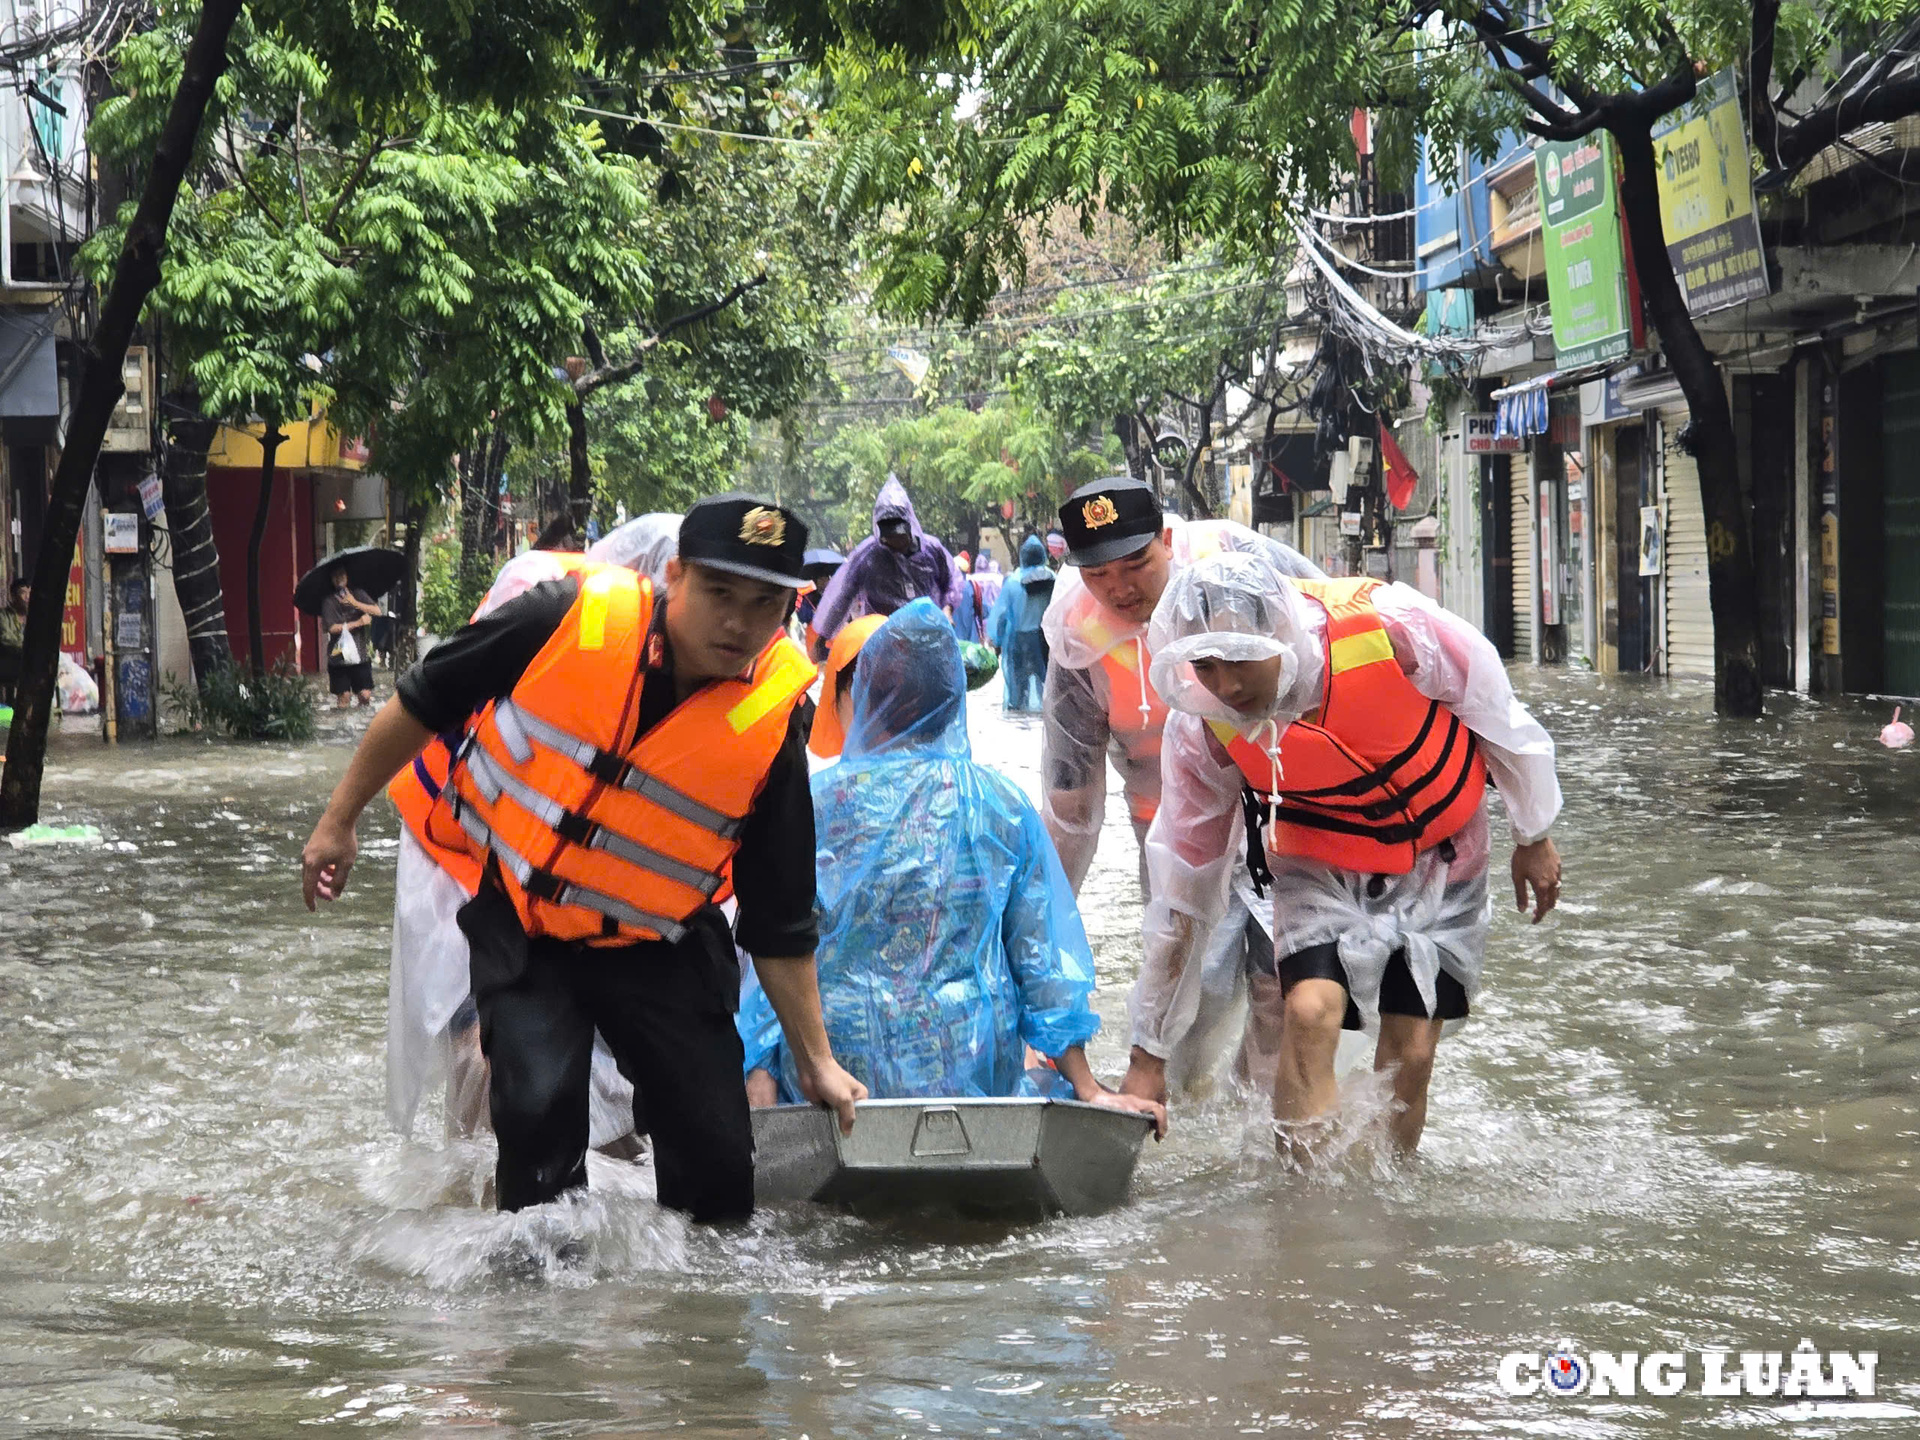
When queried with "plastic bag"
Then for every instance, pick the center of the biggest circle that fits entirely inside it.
(78, 694)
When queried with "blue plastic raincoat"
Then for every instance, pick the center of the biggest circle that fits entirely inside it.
(1014, 626)
(948, 935)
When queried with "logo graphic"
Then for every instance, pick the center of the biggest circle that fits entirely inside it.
(1099, 511)
(1565, 1373)
(1553, 173)
(761, 526)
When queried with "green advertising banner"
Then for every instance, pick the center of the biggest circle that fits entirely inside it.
(1586, 267)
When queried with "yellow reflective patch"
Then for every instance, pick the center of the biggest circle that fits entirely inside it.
(1223, 732)
(595, 595)
(1369, 647)
(593, 621)
(1125, 655)
(793, 676)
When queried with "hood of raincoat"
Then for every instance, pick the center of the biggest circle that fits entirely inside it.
(1235, 606)
(1080, 630)
(1033, 552)
(892, 504)
(645, 544)
(910, 692)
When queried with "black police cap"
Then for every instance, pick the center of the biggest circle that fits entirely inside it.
(1106, 520)
(746, 535)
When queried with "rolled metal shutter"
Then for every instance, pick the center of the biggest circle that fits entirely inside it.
(1689, 608)
(1524, 581)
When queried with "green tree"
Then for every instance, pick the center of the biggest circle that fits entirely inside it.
(1220, 122)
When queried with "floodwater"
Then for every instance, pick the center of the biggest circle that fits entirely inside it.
(1684, 1118)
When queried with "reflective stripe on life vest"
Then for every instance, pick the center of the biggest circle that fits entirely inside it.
(555, 792)
(416, 791)
(1382, 773)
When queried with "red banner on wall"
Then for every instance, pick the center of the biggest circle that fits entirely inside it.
(73, 618)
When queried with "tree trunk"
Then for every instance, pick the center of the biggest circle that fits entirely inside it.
(406, 619)
(1731, 585)
(476, 529)
(98, 390)
(196, 560)
(256, 643)
(579, 470)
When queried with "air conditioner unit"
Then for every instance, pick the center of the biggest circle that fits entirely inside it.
(131, 426)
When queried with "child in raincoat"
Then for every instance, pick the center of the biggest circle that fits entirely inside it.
(949, 941)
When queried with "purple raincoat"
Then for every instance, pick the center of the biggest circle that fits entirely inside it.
(877, 581)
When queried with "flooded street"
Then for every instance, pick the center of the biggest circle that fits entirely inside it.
(1683, 1118)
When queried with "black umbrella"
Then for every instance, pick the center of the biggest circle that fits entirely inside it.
(369, 568)
(818, 564)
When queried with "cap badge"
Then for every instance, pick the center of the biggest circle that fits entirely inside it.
(1099, 511)
(761, 526)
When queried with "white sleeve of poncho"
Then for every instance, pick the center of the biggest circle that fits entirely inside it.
(1196, 843)
(1458, 666)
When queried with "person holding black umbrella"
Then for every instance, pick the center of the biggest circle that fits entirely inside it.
(347, 616)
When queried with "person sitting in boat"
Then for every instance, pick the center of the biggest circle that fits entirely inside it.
(949, 939)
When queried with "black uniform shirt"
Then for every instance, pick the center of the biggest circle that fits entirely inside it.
(773, 868)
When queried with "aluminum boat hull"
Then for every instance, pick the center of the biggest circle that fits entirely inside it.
(1024, 1158)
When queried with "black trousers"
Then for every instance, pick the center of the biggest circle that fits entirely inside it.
(665, 1022)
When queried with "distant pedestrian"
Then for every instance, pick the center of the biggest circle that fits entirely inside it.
(347, 616)
(13, 638)
(899, 562)
(1014, 627)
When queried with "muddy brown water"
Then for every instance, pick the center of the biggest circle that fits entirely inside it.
(1684, 1118)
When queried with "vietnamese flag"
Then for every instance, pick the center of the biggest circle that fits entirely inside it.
(1401, 476)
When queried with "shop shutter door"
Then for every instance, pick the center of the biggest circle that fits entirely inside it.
(1689, 609)
(1523, 561)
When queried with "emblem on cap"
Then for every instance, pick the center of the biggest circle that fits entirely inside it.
(1099, 511)
(761, 526)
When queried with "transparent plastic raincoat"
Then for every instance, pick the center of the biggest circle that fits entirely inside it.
(1241, 607)
(1079, 736)
(432, 1028)
(948, 937)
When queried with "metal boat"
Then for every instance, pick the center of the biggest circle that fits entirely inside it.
(1012, 1158)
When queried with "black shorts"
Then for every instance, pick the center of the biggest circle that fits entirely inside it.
(1398, 994)
(347, 679)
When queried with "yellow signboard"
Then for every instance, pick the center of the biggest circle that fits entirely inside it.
(1706, 200)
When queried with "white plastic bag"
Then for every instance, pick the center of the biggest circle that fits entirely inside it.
(78, 694)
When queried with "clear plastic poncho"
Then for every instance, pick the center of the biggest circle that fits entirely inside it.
(949, 939)
(432, 1031)
(1078, 739)
(1238, 607)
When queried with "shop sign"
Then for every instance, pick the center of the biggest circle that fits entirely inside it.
(1586, 266)
(1706, 200)
(1482, 439)
(1349, 522)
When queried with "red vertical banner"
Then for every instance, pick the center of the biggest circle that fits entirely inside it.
(73, 618)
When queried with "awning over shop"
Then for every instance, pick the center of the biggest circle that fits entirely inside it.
(29, 378)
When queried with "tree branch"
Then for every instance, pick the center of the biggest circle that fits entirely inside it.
(1799, 143)
(604, 375)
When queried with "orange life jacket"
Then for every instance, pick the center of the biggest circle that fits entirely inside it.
(1137, 731)
(416, 790)
(1381, 773)
(596, 836)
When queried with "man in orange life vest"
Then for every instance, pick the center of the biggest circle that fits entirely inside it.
(1365, 722)
(634, 757)
(1100, 703)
